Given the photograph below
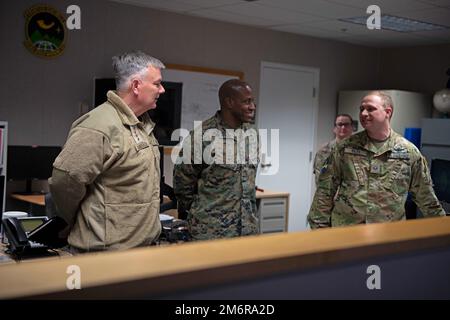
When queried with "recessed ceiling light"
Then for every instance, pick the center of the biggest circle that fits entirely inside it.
(398, 23)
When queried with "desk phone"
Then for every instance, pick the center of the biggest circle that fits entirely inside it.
(18, 230)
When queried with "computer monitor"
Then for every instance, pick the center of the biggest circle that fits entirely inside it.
(440, 174)
(167, 115)
(28, 163)
(101, 87)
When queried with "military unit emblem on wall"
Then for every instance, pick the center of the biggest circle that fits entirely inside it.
(45, 31)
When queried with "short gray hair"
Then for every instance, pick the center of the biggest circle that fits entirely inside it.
(130, 64)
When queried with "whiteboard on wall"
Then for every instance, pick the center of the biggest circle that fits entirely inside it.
(200, 98)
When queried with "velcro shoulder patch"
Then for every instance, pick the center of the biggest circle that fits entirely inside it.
(399, 155)
(399, 152)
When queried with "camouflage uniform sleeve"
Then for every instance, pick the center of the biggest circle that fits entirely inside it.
(320, 160)
(316, 167)
(422, 189)
(185, 177)
(320, 212)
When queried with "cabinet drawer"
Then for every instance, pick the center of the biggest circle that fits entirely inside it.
(272, 225)
(272, 208)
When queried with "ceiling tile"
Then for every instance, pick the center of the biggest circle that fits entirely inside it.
(281, 16)
(315, 7)
(310, 31)
(233, 17)
(386, 6)
(210, 3)
(343, 27)
(318, 18)
(439, 16)
(438, 3)
(169, 5)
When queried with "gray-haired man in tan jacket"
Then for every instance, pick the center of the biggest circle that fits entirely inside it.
(105, 182)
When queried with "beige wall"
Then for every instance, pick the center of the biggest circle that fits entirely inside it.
(41, 97)
(420, 69)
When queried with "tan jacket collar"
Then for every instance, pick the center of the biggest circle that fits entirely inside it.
(127, 115)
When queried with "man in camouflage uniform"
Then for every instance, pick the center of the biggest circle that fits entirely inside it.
(218, 191)
(373, 170)
(342, 129)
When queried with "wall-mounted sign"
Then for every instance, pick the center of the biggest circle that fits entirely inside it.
(45, 31)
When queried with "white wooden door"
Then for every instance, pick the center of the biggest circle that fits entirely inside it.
(288, 101)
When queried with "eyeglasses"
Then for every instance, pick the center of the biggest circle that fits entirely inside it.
(343, 124)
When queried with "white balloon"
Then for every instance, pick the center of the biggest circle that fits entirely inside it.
(441, 100)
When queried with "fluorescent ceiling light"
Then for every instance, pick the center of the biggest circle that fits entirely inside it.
(398, 23)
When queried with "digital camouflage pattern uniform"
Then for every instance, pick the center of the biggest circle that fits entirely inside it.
(373, 183)
(220, 198)
(321, 157)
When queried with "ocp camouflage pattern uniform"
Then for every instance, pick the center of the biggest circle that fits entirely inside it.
(220, 198)
(321, 157)
(373, 183)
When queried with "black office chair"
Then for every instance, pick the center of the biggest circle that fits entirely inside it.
(52, 235)
(165, 189)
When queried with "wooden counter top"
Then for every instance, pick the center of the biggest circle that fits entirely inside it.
(157, 270)
(38, 199)
(270, 194)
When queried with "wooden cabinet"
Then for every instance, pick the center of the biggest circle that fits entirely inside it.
(273, 208)
(3, 160)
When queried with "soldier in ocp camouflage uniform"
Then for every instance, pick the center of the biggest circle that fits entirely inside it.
(220, 196)
(342, 129)
(372, 171)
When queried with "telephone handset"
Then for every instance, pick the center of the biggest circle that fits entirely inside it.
(17, 231)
